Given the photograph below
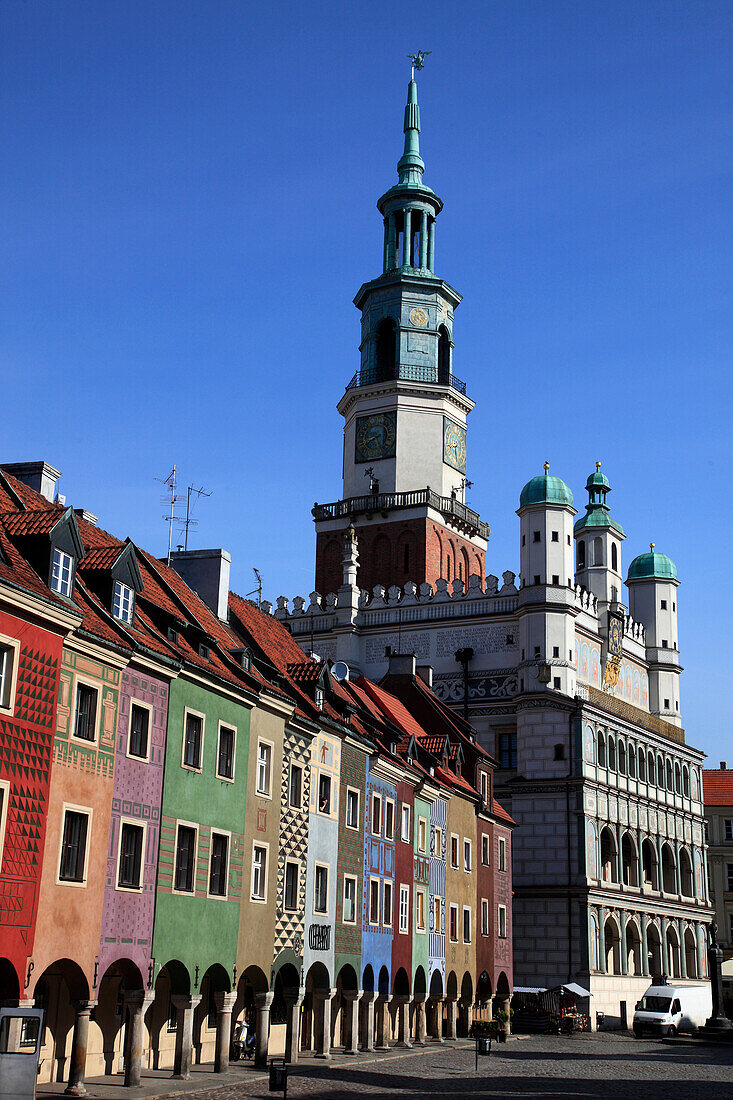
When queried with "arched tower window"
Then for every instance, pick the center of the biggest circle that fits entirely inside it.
(598, 551)
(444, 365)
(614, 557)
(581, 555)
(386, 349)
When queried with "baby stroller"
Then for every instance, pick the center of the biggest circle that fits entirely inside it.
(243, 1040)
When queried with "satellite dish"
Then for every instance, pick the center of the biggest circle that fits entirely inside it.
(340, 671)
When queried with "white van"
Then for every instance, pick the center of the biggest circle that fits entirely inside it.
(667, 1009)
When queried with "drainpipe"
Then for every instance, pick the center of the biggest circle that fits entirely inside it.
(463, 656)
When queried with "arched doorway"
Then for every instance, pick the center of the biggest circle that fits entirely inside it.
(629, 860)
(444, 356)
(465, 1014)
(172, 987)
(111, 1014)
(347, 985)
(386, 350)
(690, 954)
(215, 980)
(315, 1030)
(612, 939)
(633, 948)
(649, 865)
(669, 883)
(60, 987)
(609, 862)
(9, 983)
(654, 948)
(686, 877)
(673, 952)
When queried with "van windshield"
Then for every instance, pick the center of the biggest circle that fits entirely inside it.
(656, 1004)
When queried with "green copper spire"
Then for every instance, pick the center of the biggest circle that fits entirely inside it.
(411, 165)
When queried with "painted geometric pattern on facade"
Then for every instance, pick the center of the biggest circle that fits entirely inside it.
(37, 685)
(351, 850)
(166, 861)
(289, 927)
(98, 757)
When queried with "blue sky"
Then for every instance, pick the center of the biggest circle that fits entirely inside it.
(188, 206)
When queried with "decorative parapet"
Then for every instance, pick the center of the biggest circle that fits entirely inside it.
(630, 713)
(634, 630)
(585, 600)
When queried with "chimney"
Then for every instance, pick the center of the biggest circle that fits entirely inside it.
(40, 476)
(207, 573)
(88, 517)
(402, 664)
(425, 672)
(723, 766)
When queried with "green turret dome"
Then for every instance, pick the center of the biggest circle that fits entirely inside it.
(652, 566)
(546, 489)
(597, 514)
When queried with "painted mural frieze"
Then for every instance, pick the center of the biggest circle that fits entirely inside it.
(501, 685)
(405, 642)
(483, 639)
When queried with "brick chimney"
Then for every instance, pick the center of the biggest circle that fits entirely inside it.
(723, 766)
(207, 573)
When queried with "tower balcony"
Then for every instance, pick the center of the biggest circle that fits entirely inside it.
(407, 372)
(454, 512)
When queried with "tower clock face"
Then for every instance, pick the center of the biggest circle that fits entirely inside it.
(454, 445)
(615, 637)
(376, 436)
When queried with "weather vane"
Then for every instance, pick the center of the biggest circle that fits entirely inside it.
(418, 60)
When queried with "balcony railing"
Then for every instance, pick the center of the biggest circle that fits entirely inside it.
(407, 373)
(449, 507)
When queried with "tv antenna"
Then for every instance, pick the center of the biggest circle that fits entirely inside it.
(258, 589)
(189, 521)
(171, 500)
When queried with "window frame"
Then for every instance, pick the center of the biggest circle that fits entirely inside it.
(72, 807)
(90, 685)
(72, 572)
(421, 892)
(351, 879)
(296, 863)
(484, 916)
(228, 837)
(264, 846)
(327, 777)
(357, 792)
(467, 913)
(387, 886)
(226, 726)
(196, 830)
(422, 835)
(258, 791)
(124, 588)
(502, 855)
(485, 850)
(467, 851)
(12, 646)
(389, 818)
(729, 878)
(141, 705)
(437, 915)
(502, 923)
(453, 915)
(294, 766)
(438, 842)
(376, 798)
(134, 823)
(727, 837)
(405, 832)
(324, 867)
(189, 711)
(5, 789)
(454, 861)
(404, 914)
(374, 881)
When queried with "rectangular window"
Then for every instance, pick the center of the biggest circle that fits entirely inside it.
(185, 859)
(259, 872)
(225, 754)
(218, 865)
(728, 829)
(264, 767)
(349, 899)
(420, 905)
(453, 926)
(324, 794)
(422, 835)
(466, 924)
(467, 854)
(404, 908)
(502, 854)
(484, 916)
(389, 819)
(454, 850)
(352, 808)
(438, 849)
(507, 750)
(129, 864)
(376, 815)
(555, 536)
(664, 605)
(437, 915)
(485, 850)
(62, 573)
(405, 831)
(374, 901)
(8, 666)
(292, 876)
(320, 889)
(484, 787)
(139, 731)
(74, 846)
(295, 794)
(4, 798)
(123, 603)
(502, 922)
(387, 905)
(729, 868)
(86, 712)
(193, 736)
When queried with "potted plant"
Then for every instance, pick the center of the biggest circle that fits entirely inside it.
(502, 1019)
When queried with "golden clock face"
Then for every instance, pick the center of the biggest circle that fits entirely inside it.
(615, 637)
(419, 317)
(454, 445)
(376, 436)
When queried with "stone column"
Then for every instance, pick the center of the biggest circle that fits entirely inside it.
(263, 1001)
(385, 258)
(352, 998)
(624, 944)
(664, 952)
(383, 1021)
(185, 1007)
(683, 953)
(322, 1022)
(505, 1003)
(407, 236)
(424, 239)
(138, 1004)
(392, 246)
(467, 1007)
(403, 1025)
(700, 951)
(452, 1003)
(677, 869)
(431, 244)
(602, 939)
(293, 1002)
(224, 1004)
(644, 947)
(437, 1035)
(420, 1022)
(77, 1069)
(367, 1038)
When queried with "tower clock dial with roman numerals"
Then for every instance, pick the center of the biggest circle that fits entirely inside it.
(454, 445)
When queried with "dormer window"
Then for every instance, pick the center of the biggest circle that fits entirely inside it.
(123, 603)
(246, 660)
(62, 572)
(204, 651)
(320, 697)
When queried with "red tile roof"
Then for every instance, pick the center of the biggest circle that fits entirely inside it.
(305, 672)
(38, 522)
(100, 557)
(717, 786)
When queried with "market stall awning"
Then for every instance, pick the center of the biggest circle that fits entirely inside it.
(573, 987)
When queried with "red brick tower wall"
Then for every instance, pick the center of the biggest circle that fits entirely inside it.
(395, 552)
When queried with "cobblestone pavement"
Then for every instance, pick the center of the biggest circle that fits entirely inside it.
(612, 1067)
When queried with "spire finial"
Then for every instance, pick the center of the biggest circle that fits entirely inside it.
(418, 61)
(546, 467)
(411, 166)
(598, 465)
(651, 546)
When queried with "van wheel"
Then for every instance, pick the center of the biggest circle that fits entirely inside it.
(671, 1031)
(638, 1032)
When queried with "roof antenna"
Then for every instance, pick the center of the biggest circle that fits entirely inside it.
(258, 589)
(171, 501)
(184, 524)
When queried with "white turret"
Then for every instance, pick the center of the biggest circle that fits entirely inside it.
(652, 584)
(598, 540)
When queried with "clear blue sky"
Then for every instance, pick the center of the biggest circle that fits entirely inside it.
(188, 207)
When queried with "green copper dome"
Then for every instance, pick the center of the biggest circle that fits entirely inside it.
(652, 566)
(597, 478)
(546, 489)
(597, 515)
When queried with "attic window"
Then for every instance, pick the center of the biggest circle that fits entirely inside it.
(62, 572)
(393, 747)
(204, 651)
(320, 697)
(172, 635)
(123, 604)
(245, 659)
